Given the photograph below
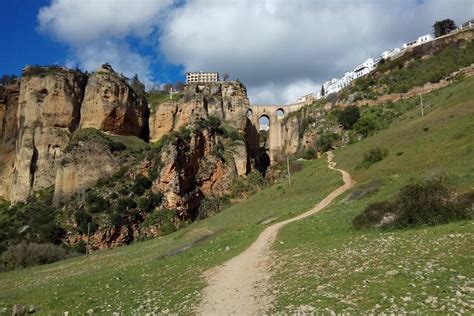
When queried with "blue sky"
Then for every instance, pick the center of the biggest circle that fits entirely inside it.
(280, 49)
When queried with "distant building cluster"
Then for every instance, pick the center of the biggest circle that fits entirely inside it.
(335, 85)
(202, 77)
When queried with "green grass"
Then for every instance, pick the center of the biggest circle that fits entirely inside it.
(320, 261)
(326, 265)
(126, 278)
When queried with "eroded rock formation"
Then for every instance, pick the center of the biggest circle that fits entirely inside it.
(48, 111)
(226, 100)
(111, 105)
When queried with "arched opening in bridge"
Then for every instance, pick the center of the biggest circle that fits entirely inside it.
(263, 163)
(249, 113)
(264, 123)
(280, 113)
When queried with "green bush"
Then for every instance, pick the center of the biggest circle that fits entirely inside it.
(374, 155)
(365, 126)
(30, 254)
(96, 204)
(428, 202)
(164, 219)
(211, 206)
(140, 185)
(149, 202)
(309, 153)
(83, 220)
(325, 141)
(348, 116)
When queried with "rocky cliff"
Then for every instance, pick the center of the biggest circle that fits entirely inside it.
(8, 134)
(48, 111)
(111, 105)
(40, 113)
(226, 100)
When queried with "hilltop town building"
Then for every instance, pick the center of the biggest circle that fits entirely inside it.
(201, 77)
(420, 40)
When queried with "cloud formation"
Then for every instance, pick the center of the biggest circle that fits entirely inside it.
(280, 49)
(98, 31)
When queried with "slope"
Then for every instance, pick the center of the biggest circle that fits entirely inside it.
(326, 265)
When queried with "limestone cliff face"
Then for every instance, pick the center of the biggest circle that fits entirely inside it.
(112, 106)
(226, 100)
(48, 111)
(81, 167)
(8, 133)
(198, 168)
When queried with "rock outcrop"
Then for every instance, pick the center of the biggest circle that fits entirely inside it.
(8, 134)
(199, 168)
(48, 111)
(81, 167)
(111, 105)
(226, 100)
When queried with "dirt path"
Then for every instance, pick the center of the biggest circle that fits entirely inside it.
(240, 286)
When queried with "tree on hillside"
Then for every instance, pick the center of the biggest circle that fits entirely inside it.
(137, 85)
(443, 27)
(322, 91)
(167, 87)
(348, 117)
(225, 76)
(179, 86)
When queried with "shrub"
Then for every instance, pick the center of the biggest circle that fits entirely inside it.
(211, 206)
(149, 202)
(428, 202)
(83, 219)
(309, 153)
(95, 203)
(325, 141)
(124, 204)
(373, 214)
(30, 254)
(365, 126)
(348, 117)
(140, 185)
(374, 155)
(164, 219)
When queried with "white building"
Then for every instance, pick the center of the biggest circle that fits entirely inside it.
(362, 69)
(420, 40)
(202, 77)
(390, 53)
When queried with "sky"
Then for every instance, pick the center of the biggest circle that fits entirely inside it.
(279, 49)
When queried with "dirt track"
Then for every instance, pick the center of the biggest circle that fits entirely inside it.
(240, 286)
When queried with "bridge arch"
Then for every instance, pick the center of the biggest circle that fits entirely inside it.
(280, 113)
(270, 119)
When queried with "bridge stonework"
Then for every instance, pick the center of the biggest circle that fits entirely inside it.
(275, 132)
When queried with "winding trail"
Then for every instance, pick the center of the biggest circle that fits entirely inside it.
(240, 286)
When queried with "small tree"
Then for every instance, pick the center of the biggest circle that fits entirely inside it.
(322, 91)
(225, 76)
(137, 85)
(443, 27)
(349, 116)
(179, 86)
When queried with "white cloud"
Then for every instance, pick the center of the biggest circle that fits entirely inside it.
(277, 46)
(97, 31)
(280, 49)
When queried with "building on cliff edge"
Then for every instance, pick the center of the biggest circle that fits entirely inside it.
(202, 77)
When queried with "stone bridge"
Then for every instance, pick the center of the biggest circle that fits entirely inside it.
(275, 114)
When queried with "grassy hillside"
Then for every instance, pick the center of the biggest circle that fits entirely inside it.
(324, 264)
(143, 276)
(321, 262)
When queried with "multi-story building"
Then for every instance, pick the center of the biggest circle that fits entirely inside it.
(420, 40)
(201, 77)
